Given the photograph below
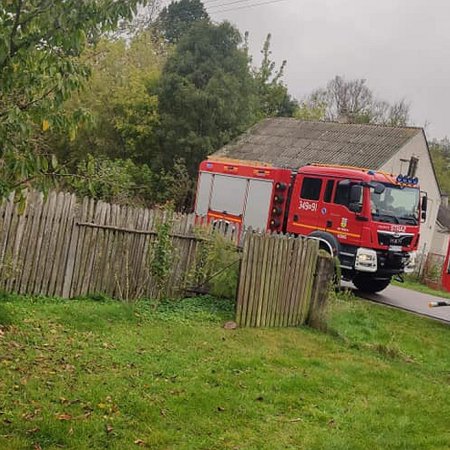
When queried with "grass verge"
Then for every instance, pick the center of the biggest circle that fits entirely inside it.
(100, 374)
(419, 287)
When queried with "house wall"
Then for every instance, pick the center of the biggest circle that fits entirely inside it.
(439, 243)
(417, 147)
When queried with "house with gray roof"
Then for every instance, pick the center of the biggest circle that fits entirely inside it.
(292, 143)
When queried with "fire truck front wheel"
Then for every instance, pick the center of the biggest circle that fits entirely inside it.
(371, 285)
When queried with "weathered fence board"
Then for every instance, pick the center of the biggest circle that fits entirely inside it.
(282, 279)
(65, 247)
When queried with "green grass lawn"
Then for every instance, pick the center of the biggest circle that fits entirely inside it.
(87, 374)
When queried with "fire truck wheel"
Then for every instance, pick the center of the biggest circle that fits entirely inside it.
(370, 285)
(327, 242)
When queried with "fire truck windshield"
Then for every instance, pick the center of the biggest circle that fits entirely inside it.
(395, 205)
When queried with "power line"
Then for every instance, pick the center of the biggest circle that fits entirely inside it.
(208, 2)
(254, 5)
(230, 3)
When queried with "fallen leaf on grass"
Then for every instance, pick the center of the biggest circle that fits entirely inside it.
(31, 414)
(64, 416)
(108, 346)
(109, 428)
(139, 442)
(220, 408)
(33, 430)
(37, 446)
(297, 419)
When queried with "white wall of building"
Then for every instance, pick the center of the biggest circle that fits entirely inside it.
(417, 147)
(439, 243)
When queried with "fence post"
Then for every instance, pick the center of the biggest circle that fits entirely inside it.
(322, 283)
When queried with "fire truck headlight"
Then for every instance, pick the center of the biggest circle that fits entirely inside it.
(411, 265)
(366, 260)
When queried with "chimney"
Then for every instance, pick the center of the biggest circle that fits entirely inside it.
(412, 169)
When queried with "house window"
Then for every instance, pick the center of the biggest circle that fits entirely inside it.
(311, 188)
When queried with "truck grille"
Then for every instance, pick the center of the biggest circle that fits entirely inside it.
(385, 238)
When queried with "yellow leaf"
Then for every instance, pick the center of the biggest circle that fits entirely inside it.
(72, 134)
(45, 125)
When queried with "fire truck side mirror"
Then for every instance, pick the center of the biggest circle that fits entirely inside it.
(355, 193)
(379, 188)
(424, 203)
(424, 206)
(355, 198)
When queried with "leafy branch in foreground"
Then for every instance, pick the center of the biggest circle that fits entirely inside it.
(40, 44)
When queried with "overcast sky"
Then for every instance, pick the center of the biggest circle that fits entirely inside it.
(402, 47)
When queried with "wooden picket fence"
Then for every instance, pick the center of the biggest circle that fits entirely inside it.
(65, 247)
(61, 246)
(283, 281)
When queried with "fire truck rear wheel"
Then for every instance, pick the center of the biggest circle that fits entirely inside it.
(370, 285)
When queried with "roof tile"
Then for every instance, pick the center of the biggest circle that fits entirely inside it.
(292, 143)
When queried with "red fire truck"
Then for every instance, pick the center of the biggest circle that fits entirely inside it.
(370, 220)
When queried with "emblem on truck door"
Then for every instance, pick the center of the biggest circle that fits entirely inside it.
(344, 222)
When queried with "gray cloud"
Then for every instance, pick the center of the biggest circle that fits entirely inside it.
(402, 47)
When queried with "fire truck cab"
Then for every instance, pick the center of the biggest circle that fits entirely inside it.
(367, 219)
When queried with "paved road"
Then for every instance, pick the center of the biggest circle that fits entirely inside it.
(408, 300)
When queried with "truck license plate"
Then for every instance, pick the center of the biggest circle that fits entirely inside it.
(395, 248)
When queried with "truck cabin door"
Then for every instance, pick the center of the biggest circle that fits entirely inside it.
(324, 220)
(343, 214)
(304, 207)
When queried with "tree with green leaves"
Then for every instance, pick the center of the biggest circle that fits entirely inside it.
(273, 97)
(40, 45)
(440, 154)
(207, 94)
(176, 19)
(352, 101)
(124, 113)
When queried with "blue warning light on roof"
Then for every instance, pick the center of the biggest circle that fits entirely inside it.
(407, 180)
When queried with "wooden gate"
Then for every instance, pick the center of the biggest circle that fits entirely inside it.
(277, 280)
